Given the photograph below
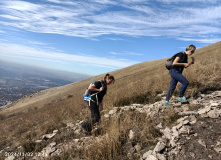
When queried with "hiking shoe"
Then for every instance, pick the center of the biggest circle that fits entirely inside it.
(85, 131)
(182, 99)
(167, 104)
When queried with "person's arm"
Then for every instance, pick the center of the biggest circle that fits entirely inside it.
(93, 88)
(100, 106)
(176, 63)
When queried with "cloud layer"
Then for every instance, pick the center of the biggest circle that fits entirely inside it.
(196, 20)
(31, 53)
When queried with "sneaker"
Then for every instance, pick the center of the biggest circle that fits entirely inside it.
(182, 99)
(168, 104)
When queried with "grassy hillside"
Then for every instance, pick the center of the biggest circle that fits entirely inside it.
(40, 113)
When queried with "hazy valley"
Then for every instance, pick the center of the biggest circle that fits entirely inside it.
(17, 80)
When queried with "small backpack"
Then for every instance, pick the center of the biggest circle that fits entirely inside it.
(87, 94)
(169, 62)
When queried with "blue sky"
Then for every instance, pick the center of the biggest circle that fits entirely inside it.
(98, 36)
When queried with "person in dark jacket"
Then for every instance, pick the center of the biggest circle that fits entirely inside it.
(180, 62)
(95, 104)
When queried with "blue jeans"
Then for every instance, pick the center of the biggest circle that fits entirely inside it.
(176, 76)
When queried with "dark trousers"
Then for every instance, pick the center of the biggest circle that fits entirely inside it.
(95, 116)
(176, 76)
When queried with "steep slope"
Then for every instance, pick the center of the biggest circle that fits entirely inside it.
(41, 113)
(185, 131)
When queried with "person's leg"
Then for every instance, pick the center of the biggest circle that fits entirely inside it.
(184, 86)
(95, 117)
(179, 77)
(95, 113)
(173, 84)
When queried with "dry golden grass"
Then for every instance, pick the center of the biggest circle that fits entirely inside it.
(33, 116)
(115, 143)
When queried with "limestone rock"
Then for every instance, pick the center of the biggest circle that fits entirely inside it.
(213, 113)
(47, 151)
(214, 104)
(218, 150)
(200, 141)
(49, 136)
(159, 147)
(131, 134)
(148, 156)
(159, 126)
(10, 158)
(192, 119)
(137, 147)
(160, 157)
(167, 133)
(187, 113)
(106, 116)
(204, 110)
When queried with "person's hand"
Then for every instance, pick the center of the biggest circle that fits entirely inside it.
(186, 65)
(193, 60)
(101, 89)
(100, 106)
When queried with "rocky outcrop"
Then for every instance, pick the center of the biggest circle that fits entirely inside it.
(169, 146)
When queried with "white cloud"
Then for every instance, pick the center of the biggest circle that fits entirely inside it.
(127, 53)
(188, 1)
(15, 50)
(22, 6)
(133, 1)
(105, 2)
(202, 40)
(133, 54)
(37, 43)
(114, 53)
(116, 39)
(10, 17)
